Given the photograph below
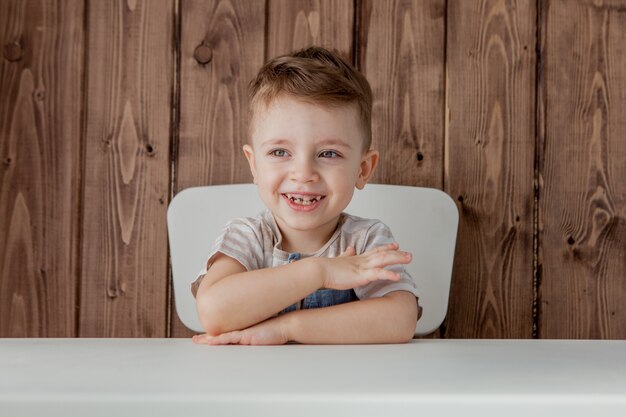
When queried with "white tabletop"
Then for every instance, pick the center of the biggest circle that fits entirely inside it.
(159, 377)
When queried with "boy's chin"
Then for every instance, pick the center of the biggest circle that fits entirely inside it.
(307, 221)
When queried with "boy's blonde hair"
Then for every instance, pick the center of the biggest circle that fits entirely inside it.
(315, 75)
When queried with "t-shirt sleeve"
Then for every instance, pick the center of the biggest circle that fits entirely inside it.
(378, 235)
(241, 240)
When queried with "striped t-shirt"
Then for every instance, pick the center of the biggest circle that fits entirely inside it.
(255, 242)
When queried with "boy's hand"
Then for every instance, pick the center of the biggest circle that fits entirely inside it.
(350, 270)
(268, 332)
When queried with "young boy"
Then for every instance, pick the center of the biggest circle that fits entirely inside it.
(267, 277)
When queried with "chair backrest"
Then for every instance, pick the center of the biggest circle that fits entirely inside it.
(424, 221)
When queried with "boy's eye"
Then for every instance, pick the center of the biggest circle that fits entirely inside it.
(278, 152)
(329, 154)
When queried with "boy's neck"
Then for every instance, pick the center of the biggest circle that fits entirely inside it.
(306, 241)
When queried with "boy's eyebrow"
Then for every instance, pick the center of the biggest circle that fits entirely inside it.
(323, 142)
(273, 142)
(335, 142)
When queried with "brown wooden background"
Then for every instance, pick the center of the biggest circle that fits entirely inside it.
(517, 109)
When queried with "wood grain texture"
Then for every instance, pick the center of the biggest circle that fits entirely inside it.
(40, 112)
(489, 165)
(583, 171)
(294, 25)
(86, 138)
(124, 247)
(213, 94)
(401, 52)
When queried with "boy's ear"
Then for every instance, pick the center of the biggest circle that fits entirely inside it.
(367, 167)
(249, 153)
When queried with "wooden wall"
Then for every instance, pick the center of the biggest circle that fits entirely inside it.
(515, 108)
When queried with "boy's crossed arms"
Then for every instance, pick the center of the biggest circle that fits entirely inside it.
(237, 306)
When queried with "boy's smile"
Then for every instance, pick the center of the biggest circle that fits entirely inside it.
(303, 201)
(306, 160)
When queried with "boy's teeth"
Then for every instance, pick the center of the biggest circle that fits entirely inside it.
(302, 201)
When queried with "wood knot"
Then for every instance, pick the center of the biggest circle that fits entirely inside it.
(39, 95)
(105, 143)
(420, 156)
(13, 52)
(203, 54)
(150, 150)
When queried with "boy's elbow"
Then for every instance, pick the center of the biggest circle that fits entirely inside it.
(414, 312)
(209, 315)
(211, 325)
(403, 334)
(406, 331)
(408, 334)
(407, 312)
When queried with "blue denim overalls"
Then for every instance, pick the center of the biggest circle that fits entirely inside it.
(320, 298)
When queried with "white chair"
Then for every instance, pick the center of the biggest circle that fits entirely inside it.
(424, 221)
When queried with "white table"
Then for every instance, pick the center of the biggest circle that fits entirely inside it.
(172, 377)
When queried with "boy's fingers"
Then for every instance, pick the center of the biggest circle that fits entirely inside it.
(201, 339)
(384, 248)
(389, 258)
(223, 339)
(381, 273)
(226, 338)
(231, 337)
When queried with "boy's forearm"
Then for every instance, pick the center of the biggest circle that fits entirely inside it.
(378, 320)
(244, 299)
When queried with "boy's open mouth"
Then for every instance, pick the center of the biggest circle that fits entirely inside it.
(303, 199)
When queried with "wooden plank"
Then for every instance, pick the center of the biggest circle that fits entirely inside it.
(401, 52)
(129, 87)
(583, 171)
(221, 51)
(489, 165)
(296, 24)
(40, 113)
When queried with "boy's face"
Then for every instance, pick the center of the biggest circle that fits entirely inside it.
(307, 160)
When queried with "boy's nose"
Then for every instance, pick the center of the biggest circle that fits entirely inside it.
(304, 171)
